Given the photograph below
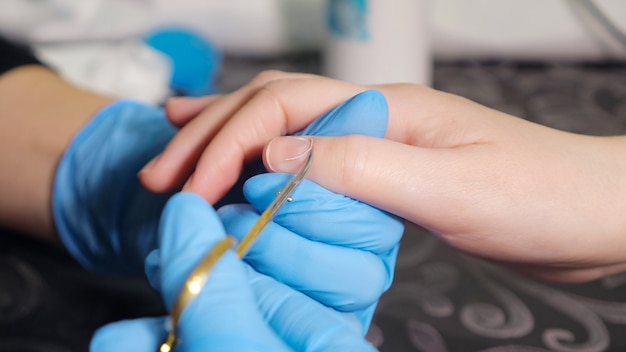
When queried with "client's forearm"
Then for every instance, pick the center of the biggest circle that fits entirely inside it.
(39, 114)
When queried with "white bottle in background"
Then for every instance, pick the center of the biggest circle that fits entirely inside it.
(378, 41)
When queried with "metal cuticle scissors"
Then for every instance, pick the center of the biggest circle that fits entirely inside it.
(199, 275)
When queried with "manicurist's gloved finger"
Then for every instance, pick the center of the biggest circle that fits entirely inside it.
(239, 309)
(303, 323)
(145, 334)
(321, 215)
(345, 278)
(224, 316)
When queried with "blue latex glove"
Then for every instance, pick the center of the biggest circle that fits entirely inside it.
(239, 309)
(105, 218)
(337, 250)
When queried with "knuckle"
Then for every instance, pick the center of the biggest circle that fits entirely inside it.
(266, 76)
(270, 97)
(274, 88)
(355, 159)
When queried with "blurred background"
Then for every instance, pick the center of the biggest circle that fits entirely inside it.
(558, 63)
(149, 49)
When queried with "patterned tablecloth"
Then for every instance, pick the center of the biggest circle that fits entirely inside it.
(442, 300)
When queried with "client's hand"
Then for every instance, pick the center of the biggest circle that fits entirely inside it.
(239, 309)
(545, 202)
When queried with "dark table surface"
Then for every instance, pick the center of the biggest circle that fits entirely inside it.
(442, 300)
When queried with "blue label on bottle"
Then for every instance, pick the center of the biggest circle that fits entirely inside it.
(348, 19)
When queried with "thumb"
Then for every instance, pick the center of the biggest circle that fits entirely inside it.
(399, 178)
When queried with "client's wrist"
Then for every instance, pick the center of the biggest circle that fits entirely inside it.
(40, 113)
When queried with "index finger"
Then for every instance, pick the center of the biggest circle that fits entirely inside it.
(280, 107)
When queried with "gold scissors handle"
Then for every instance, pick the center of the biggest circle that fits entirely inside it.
(199, 275)
(193, 286)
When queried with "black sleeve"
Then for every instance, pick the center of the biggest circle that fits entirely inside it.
(13, 55)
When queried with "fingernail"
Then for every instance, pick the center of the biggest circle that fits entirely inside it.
(286, 154)
(149, 165)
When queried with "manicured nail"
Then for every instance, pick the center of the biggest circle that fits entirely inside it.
(286, 154)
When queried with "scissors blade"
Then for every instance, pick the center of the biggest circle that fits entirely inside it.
(282, 197)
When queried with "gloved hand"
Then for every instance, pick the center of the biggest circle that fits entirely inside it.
(337, 250)
(105, 218)
(239, 309)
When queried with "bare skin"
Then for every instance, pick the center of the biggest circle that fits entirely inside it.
(541, 201)
(40, 114)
